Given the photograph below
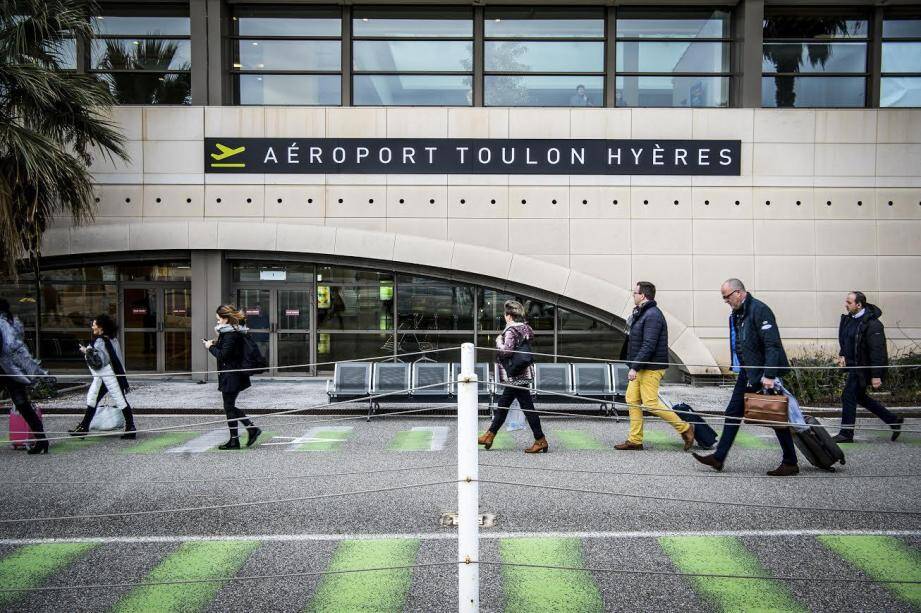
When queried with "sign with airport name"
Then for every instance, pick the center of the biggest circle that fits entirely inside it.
(472, 156)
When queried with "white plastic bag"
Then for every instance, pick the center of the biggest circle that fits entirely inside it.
(108, 418)
(515, 420)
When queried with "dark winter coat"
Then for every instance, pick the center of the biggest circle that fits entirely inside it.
(758, 345)
(647, 345)
(228, 349)
(869, 344)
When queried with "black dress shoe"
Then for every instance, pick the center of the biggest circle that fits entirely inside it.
(80, 430)
(897, 428)
(130, 433)
(842, 438)
(38, 448)
(709, 460)
(233, 443)
(784, 470)
(254, 433)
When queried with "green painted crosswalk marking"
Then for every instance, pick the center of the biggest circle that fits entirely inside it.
(193, 560)
(381, 590)
(331, 441)
(663, 440)
(264, 437)
(747, 440)
(77, 443)
(882, 558)
(727, 555)
(32, 565)
(412, 440)
(159, 442)
(503, 440)
(546, 589)
(576, 439)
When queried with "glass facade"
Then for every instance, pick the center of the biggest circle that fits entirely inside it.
(814, 61)
(900, 71)
(144, 59)
(679, 59)
(420, 57)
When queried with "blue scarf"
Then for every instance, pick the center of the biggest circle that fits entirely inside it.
(736, 365)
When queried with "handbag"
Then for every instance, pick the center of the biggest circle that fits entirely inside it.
(767, 408)
(94, 358)
(518, 362)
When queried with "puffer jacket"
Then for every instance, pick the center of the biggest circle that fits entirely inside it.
(869, 344)
(228, 349)
(507, 342)
(15, 358)
(647, 344)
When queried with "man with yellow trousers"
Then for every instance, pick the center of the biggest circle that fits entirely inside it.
(647, 356)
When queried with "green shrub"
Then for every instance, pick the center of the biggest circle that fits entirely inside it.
(815, 386)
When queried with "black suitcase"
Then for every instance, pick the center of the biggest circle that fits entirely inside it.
(704, 435)
(817, 445)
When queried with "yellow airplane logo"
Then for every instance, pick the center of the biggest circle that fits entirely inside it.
(226, 152)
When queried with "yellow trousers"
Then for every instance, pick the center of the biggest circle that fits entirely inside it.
(643, 394)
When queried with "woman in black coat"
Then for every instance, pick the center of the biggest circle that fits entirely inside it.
(228, 349)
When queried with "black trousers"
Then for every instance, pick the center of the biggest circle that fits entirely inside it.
(855, 392)
(233, 413)
(734, 412)
(19, 395)
(523, 396)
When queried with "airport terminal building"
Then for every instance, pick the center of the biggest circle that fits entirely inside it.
(372, 179)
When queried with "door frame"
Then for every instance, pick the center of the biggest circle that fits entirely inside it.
(273, 331)
(159, 289)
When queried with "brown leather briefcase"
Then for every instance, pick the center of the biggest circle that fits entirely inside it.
(761, 409)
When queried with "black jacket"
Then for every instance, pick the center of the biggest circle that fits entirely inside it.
(869, 344)
(758, 343)
(647, 345)
(229, 353)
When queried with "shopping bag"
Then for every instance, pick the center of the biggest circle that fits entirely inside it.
(515, 420)
(108, 418)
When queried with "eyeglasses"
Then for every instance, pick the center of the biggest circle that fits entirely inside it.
(729, 295)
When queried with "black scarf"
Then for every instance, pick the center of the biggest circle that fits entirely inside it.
(117, 366)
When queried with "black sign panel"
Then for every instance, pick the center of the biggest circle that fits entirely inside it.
(472, 156)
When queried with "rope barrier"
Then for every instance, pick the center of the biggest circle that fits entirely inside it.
(750, 505)
(234, 505)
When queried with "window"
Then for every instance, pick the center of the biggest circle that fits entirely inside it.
(901, 63)
(406, 57)
(144, 59)
(814, 61)
(677, 60)
(544, 57)
(287, 56)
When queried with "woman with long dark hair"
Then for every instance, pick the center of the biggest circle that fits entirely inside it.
(19, 371)
(107, 365)
(229, 349)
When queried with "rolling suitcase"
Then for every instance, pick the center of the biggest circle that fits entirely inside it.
(704, 435)
(19, 429)
(817, 445)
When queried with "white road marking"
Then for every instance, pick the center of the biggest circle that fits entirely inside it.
(439, 436)
(311, 435)
(202, 443)
(445, 536)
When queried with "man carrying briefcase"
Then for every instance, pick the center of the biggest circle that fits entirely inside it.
(755, 343)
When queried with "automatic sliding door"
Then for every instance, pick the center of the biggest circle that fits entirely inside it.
(293, 330)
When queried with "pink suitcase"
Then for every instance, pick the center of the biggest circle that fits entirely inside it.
(19, 429)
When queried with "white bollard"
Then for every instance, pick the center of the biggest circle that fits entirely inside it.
(468, 487)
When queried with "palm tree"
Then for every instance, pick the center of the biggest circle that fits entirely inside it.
(788, 58)
(51, 123)
(142, 86)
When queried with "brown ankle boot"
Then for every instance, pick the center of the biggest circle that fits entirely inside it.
(540, 446)
(486, 439)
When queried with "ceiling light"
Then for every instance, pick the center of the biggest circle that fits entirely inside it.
(255, 44)
(237, 65)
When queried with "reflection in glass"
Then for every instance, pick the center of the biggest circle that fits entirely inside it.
(321, 90)
(543, 90)
(814, 57)
(293, 349)
(272, 271)
(22, 302)
(82, 273)
(601, 345)
(354, 307)
(412, 90)
(813, 91)
(902, 28)
(178, 350)
(140, 308)
(657, 56)
(149, 87)
(901, 57)
(293, 310)
(508, 23)
(138, 26)
(75, 306)
(574, 321)
(412, 55)
(177, 305)
(806, 26)
(714, 26)
(288, 26)
(544, 56)
(288, 55)
(173, 271)
(60, 349)
(427, 304)
(335, 274)
(491, 316)
(141, 54)
(255, 305)
(140, 350)
(332, 347)
(900, 92)
(672, 91)
(65, 53)
(418, 28)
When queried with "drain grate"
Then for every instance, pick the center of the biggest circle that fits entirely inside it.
(449, 520)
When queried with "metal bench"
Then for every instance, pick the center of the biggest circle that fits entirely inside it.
(431, 380)
(392, 379)
(350, 380)
(593, 381)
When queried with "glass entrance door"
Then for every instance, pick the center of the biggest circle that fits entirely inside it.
(279, 321)
(156, 323)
